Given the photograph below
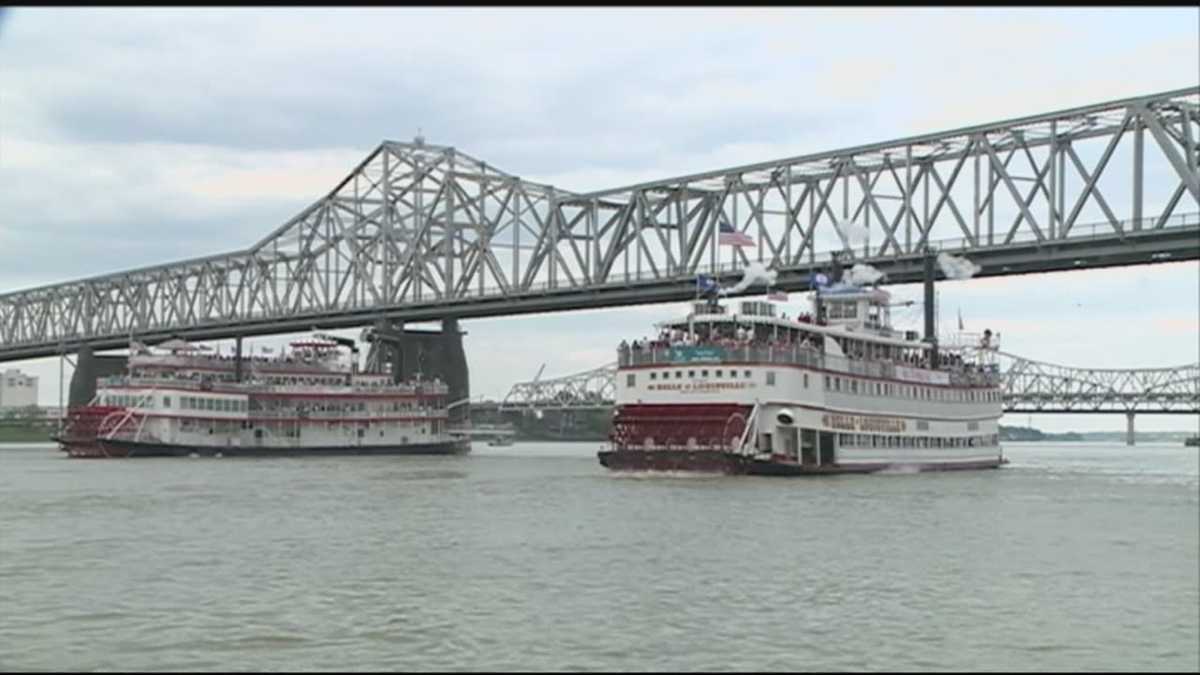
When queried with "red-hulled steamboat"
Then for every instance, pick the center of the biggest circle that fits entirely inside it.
(181, 399)
(836, 390)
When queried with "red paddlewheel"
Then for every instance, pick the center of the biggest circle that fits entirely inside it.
(118, 422)
(716, 425)
(83, 423)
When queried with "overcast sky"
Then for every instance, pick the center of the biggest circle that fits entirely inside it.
(132, 137)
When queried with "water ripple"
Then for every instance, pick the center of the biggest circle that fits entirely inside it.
(536, 558)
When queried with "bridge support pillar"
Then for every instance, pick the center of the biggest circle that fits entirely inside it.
(407, 353)
(1129, 429)
(88, 367)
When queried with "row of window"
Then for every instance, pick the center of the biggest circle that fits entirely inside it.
(292, 429)
(130, 400)
(848, 385)
(666, 374)
(875, 441)
(208, 404)
(862, 387)
(241, 405)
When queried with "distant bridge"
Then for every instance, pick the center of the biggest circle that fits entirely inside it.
(420, 232)
(1029, 387)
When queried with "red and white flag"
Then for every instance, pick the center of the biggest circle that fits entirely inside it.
(731, 237)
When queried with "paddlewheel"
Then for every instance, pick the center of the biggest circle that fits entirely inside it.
(85, 425)
(679, 427)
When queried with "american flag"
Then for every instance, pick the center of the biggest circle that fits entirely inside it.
(732, 237)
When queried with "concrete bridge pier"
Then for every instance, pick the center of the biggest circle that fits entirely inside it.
(88, 367)
(405, 353)
(1129, 429)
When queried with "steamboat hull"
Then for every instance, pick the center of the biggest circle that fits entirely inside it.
(124, 449)
(716, 461)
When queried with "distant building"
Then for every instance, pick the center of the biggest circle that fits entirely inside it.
(17, 390)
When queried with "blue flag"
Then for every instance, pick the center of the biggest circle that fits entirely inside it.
(819, 280)
(706, 284)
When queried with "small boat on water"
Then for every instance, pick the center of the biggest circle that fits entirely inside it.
(1192, 442)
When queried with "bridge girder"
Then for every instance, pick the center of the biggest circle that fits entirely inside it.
(419, 231)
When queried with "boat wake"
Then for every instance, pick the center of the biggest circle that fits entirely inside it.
(656, 475)
(900, 470)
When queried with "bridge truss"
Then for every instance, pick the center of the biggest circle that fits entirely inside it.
(589, 390)
(420, 232)
(1037, 387)
(1029, 387)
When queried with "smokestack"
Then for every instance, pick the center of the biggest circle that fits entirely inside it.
(930, 334)
(237, 360)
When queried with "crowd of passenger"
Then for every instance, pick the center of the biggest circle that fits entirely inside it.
(742, 337)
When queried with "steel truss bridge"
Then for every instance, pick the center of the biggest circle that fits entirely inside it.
(1029, 387)
(421, 232)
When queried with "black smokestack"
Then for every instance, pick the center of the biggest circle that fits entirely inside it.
(930, 334)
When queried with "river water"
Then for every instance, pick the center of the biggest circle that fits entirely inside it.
(534, 557)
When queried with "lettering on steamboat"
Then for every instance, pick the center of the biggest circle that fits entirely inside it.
(864, 423)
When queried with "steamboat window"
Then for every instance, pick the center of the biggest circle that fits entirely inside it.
(629, 379)
(691, 373)
(679, 374)
(166, 401)
(733, 373)
(853, 386)
(806, 380)
(746, 373)
(770, 378)
(704, 373)
(718, 373)
(653, 376)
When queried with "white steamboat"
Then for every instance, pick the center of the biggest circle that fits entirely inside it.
(312, 399)
(835, 391)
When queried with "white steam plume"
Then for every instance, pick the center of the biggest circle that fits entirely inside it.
(863, 275)
(854, 233)
(957, 268)
(753, 273)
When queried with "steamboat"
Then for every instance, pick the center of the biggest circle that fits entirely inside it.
(748, 390)
(180, 399)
